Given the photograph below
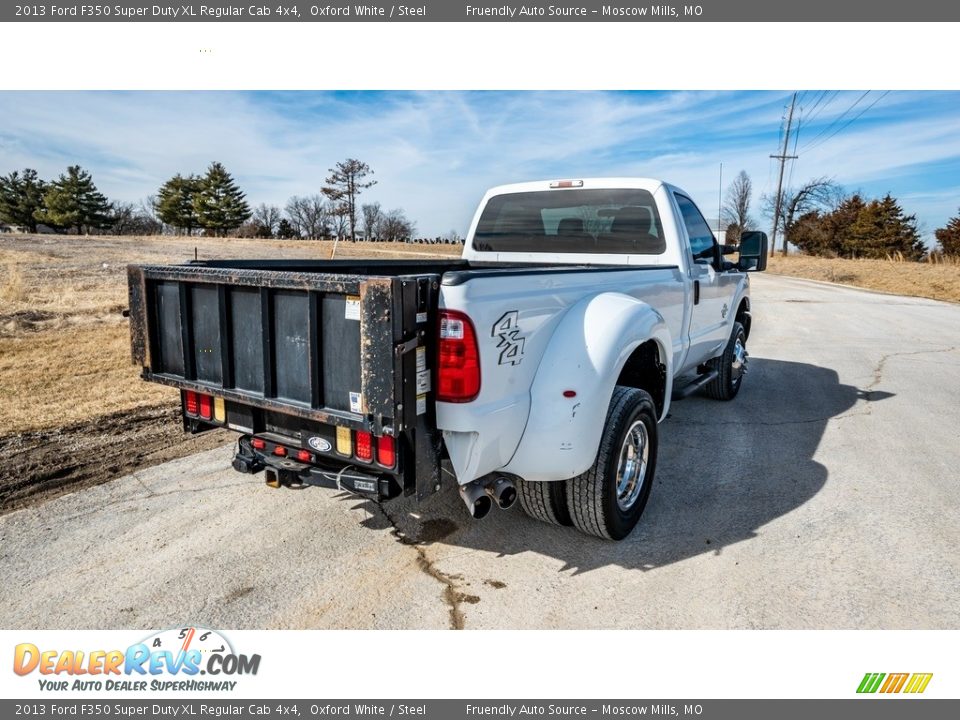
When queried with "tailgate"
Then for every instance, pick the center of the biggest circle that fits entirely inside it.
(334, 348)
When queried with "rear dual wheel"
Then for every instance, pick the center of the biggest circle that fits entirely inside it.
(545, 501)
(608, 499)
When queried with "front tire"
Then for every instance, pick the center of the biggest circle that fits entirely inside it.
(731, 366)
(608, 499)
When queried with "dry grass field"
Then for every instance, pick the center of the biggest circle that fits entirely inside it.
(939, 281)
(64, 346)
(73, 408)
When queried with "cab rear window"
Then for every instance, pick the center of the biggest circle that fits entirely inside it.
(616, 221)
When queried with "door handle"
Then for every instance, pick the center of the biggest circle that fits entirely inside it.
(696, 292)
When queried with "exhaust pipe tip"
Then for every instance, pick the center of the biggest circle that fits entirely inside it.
(503, 491)
(507, 498)
(481, 507)
(475, 498)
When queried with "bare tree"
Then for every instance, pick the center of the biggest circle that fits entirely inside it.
(396, 227)
(821, 192)
(309, 216)
(266, 218)
(372, 217)
(130, 219)
(121, 215)
(346, 181)
(736, 206)
(296, 215)
(339, 220)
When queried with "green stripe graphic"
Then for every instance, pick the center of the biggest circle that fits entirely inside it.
(871, 682)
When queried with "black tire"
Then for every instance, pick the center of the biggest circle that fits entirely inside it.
(729, 367)
(545, 501)
(592, 498)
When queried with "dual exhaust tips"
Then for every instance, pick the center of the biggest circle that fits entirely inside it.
(480, 494)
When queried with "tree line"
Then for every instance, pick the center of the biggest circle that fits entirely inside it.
(211, 204)
(820, 218)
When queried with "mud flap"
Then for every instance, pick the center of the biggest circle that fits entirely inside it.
(422, 476)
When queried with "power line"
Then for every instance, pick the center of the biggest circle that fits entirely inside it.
(819, 100)
(837, 120)
(828, 103)
(850, 121)
(796, 139)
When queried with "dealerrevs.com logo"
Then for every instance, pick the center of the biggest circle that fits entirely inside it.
(173, 659)
(910, 683)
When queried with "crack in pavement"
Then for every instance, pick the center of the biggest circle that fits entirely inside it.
(451, 591)
(878, 370)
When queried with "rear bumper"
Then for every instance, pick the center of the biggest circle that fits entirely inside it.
(328, 474)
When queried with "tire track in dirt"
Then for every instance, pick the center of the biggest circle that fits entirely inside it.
(43, 464)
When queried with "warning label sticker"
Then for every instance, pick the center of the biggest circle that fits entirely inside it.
(352, 310)
(423, 381)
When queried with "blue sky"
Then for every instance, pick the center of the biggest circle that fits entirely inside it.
(435, 153)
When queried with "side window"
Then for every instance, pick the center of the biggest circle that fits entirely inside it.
(701, 237)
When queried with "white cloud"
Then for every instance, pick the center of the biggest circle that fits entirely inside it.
(435, 153)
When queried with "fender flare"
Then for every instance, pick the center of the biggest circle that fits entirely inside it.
(743, 297)
(585, 354)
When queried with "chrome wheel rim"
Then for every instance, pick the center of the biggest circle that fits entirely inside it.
(632, 468)
(738, 366)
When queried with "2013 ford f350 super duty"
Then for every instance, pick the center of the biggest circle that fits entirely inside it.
(539, 363)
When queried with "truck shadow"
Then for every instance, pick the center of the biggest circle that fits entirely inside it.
(725, 470)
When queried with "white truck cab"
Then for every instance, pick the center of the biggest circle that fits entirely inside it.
(572, 356)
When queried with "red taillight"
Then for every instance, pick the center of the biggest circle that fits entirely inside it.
(304, 456)
(364, 446)
(192, 404)
(458, 366)
(258, 443)
(280, 450)
(386, 451)
(206, 407)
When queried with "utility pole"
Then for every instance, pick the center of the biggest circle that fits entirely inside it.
(782, 157)
(720, 206)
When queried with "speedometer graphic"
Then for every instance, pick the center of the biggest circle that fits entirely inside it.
(183, 639)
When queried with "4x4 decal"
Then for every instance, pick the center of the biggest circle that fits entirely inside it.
(511, 341)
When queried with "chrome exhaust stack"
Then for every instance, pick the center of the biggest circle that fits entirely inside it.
(503, 491)
(476, 499)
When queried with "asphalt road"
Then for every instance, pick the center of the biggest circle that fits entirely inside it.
(825, 496)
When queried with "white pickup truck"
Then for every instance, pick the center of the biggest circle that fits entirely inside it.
(539, 364)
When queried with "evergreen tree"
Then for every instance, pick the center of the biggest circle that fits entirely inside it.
(858, 229)
(285, 229)
(807, 233)
(838, 227)
(73, 201)
(21, 197)
(175, 203)
(949, 237)
(881, 230)
(220, 205)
